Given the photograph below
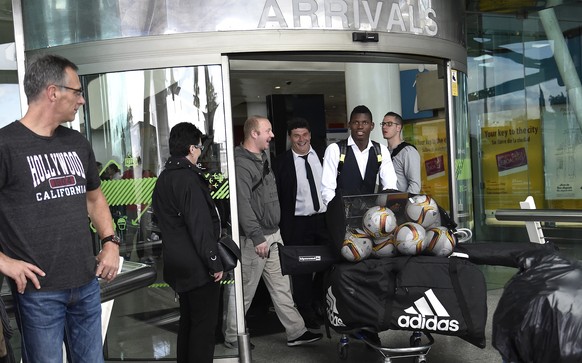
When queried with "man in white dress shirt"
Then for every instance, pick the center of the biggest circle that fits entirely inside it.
(366, 164)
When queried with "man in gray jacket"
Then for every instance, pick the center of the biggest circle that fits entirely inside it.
(259, 215)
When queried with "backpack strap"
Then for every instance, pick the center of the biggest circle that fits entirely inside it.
(260, 182)
(378, 153)
(399, 148)
(257, 185)
(343, 146)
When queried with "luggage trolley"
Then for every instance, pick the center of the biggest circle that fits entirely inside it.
(346, 213)
(416, 349)
(422, 295)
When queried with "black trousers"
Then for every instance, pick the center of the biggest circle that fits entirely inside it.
(307, 288)
(198, 318)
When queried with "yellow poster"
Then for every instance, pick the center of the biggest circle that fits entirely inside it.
(430, 139)
(511, 164)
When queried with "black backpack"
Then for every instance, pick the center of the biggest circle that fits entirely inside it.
(343, 146)
(399, 148)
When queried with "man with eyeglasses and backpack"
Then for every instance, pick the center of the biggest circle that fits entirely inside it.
(405, 157)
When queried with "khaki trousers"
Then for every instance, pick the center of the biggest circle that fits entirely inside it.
(279, 287)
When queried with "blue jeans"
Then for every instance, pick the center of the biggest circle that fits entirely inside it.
(46, 319)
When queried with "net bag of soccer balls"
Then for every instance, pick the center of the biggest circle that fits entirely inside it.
(419, 232)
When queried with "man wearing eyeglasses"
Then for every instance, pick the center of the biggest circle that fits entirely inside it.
(405, 157)
(259, 215)
(365, 163)
(49, 184)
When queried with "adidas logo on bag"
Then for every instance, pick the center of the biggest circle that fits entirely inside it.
(427, 313)
(332, 313)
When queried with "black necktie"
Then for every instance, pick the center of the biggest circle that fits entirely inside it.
(311, 181)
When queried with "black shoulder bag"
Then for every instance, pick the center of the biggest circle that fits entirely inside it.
(229, 252)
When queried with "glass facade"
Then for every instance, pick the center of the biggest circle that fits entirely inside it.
(130, 116)
(524, 99)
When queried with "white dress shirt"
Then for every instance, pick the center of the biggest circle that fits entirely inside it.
(386, 174)
(304, 203)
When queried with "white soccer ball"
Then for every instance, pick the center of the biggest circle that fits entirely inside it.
(439, 242)
(357, 245)
(379, 221)
(423, 210)
(384, 247)
(410, 239)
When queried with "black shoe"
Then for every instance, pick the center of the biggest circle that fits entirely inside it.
(307, 337)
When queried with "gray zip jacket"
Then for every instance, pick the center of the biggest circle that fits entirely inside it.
(258, 203)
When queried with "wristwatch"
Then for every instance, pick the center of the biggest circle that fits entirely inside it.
(112, 238)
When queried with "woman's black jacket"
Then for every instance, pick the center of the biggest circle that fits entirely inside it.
(189, 223)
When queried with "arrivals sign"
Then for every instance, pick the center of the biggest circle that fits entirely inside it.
(124, 18)
(416, 17)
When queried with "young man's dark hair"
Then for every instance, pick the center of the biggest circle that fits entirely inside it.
(361, 109)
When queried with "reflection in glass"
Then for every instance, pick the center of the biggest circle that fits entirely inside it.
(130, 115)
(525, 131)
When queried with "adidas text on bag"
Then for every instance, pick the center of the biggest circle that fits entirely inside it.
(427, 313)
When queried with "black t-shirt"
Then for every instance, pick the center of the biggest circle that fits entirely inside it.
(43, 204)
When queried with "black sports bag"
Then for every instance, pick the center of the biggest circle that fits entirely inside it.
(434, 294)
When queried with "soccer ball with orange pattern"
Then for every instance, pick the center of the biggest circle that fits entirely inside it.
(384, 247)
(410, 239)
(423, 210)
(357, 245)
(439, 242)
(379, 222)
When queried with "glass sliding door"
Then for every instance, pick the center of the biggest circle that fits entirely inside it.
(128, 119)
